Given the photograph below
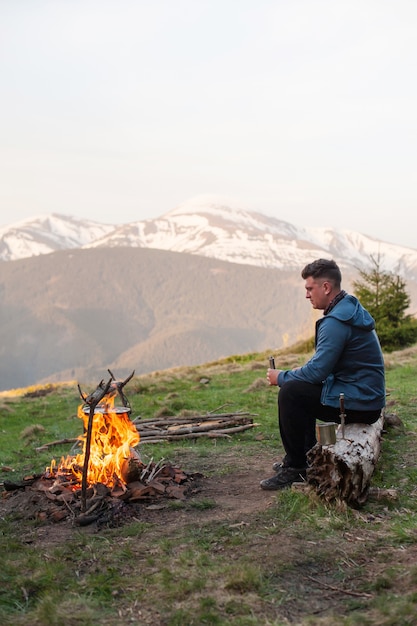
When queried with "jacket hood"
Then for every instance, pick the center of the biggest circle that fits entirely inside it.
(350, 311)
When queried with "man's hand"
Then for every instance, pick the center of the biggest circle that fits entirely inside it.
(272, 376)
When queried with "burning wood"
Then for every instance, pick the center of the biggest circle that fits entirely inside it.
(109, 435)
(108, 468)
(60, 497)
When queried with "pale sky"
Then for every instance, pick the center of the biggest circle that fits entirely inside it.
(119, 110)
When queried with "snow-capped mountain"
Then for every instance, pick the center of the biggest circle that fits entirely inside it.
(210, 229)
(125, 297)
(47, 233)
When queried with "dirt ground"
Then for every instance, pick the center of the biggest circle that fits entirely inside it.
(234, 496)
(237, 499)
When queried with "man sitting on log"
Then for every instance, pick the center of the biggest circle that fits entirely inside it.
(347, 360)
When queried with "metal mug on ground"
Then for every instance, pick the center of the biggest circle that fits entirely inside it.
(326, 433)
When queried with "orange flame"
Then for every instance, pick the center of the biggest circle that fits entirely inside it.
(112, 438)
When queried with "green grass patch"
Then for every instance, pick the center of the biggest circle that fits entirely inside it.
(277, 558)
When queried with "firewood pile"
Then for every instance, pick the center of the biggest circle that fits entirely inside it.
(209, 425)
(173, 428)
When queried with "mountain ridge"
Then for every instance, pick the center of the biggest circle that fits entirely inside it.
(213, 230)
(185, 289)
(73, 314)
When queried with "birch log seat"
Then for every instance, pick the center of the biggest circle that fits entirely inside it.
(343, 470)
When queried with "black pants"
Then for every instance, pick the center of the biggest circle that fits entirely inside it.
(298, 408)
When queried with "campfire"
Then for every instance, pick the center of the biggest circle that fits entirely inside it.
(107, 472)
(107, 443)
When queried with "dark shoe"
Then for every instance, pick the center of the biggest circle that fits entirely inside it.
(284, 477)
(278, 464)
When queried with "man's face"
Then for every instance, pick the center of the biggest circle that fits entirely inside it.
(317, 291)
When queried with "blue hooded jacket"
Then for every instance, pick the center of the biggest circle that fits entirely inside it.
(348, 359)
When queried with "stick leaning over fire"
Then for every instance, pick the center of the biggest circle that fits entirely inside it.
(92, 400)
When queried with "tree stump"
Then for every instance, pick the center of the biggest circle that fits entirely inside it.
(343, 471)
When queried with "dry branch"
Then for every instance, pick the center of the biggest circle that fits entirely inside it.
(349, 592)
(58, 442)
(379, 493)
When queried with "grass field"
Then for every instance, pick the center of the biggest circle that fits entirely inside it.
(230, 553)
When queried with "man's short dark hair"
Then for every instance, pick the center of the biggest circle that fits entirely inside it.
(323, 268)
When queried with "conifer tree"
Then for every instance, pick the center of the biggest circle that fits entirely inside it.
(384, 295)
